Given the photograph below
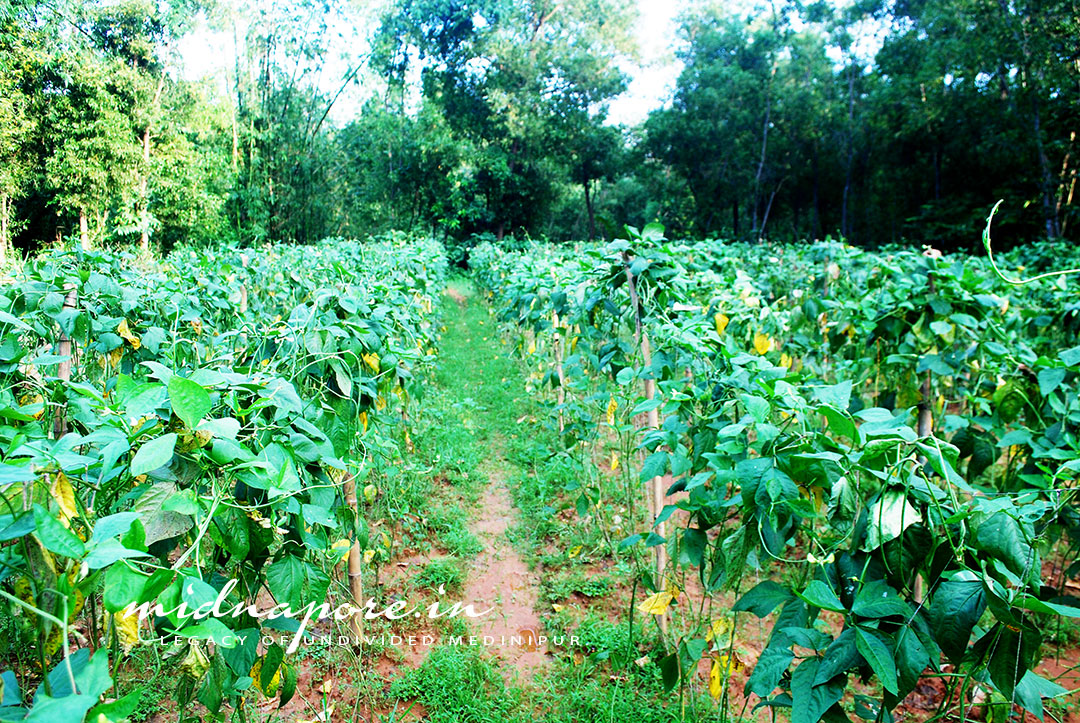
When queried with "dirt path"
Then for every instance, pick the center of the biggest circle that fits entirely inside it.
(499, 578)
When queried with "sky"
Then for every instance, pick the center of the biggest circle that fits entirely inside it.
(651, 83)
(205, 53)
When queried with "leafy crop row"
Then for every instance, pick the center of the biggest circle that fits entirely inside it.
(890, 439)
(167, 428)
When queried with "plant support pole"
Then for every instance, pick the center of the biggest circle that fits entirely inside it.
(656, 484)
(356, 563)
(560, 342)
(64, 348)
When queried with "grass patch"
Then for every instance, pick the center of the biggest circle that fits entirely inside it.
(457, 685)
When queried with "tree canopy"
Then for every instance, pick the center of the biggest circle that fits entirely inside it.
(881, 121)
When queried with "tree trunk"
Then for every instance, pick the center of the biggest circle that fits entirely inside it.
(84, 230)
(144, 177)
(144, 183)
(845, 231)
(1046, 177)
(589, 210)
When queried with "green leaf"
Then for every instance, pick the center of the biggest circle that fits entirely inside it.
(189, 400)
(106, 552)
(877, 599)
(117, 709)
(288, 684)
(955, 608)
(1004, 538)
(55, 537)
(889, 518)
(876, 652)
(1030, 691)
(808, 701)
(769, 668)
(271, 661)
(1071, 357)
(763, 598)
(840, 657)
(819, 594)
(911, 660)
(156, 453)
(669, 670)
(1050, 379)
(655, 465)
(241, 657)
(285, 578)
(123, 585)
(1012, 655)
(837, 396)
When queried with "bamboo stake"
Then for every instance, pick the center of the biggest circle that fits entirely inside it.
(560, 343)
(243, 286)
(64, 348)
(656, 485)
(356, 563)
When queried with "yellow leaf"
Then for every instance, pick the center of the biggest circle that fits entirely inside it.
(380, 403)
(721, 322)
(762, 343)
(363, 420)
(612, 406)
(614, 461)
(116, 355)
(127, 629)
(574, 551)
(124, 332)
(370, 491)
(732, 664)
(341, 547)
(54, 640)
(372, 360)
(256, 675)
(718, 629)
(369, 555)
(64, 495)
(196, 325)
(557, 607)
(716, 682)
(532, 347)
(23, 591)
(657, 604)
(785, 360)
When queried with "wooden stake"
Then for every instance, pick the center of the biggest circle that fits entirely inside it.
(560, 349)
(356, 563)
(656, 485)
(64, 348)
(243, 287)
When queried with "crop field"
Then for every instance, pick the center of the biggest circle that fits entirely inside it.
(689, 481)
(556, 361)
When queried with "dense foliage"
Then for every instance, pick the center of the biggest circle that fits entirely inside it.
(888, 439)
(168, 428)
(879, 122)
